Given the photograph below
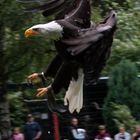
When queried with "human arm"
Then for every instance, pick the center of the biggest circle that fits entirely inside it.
(22, 136)
(133, 136)
(78, 134)
(127, 136)
(116, 137)
(38, 131)
(38, 135)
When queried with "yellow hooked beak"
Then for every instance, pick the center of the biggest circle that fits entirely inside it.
(30, 32)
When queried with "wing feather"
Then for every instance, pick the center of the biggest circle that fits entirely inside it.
(75, 11)
(91, 36)
(36, 1)
(49, 6)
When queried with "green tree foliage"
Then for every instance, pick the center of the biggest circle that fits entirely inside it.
(127, 38)
(19, 57)
(16, 109)
(122, 117)
(124, 87)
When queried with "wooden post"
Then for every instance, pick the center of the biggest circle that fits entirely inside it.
(56, 126)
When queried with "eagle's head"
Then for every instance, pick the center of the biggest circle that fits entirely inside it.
(51, 30)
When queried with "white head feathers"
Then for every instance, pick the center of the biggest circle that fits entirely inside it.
(52, 30)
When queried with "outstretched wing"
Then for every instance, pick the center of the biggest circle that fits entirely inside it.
(80, 15)
(49, 7)
(96, 57)
(90, 37)
(76, 12)
(93, 47)
(60, 8)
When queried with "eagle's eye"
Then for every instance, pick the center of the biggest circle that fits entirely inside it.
(36, 29)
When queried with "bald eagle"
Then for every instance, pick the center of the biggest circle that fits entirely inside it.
(82, 49)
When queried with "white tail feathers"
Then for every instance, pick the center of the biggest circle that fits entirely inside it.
(74, 94)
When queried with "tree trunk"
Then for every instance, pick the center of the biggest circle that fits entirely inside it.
(4, 105)
(4, 121)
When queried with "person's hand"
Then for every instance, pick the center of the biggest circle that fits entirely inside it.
(42, 91)
(134, 134)
(35, 138)
(33, 77)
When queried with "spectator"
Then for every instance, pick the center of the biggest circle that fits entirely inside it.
(76, 133)
(32, 129)
(17, 135)
(136, 134)
(102, 135)
(122, 135)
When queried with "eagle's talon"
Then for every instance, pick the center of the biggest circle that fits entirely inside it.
(41, 91)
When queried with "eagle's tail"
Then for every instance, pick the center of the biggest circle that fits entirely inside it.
(74, 94)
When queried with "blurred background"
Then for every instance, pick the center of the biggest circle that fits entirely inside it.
(113, 101)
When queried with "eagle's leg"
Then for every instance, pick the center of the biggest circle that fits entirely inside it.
(62, 81)
(52, 104)
(51, 101)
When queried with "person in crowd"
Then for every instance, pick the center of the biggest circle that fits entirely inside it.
(17, 135)
(75, 132)
(136, 134)
(32, 129)
(122, 135)
(102, 134)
